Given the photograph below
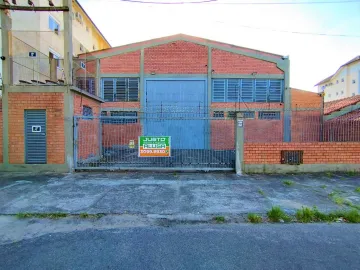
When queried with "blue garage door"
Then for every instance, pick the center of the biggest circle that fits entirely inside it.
(177, 108)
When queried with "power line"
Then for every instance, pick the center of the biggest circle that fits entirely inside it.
(234, 3)
(293, 32)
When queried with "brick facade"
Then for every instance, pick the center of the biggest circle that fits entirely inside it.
(120, 134)
(224, 62)
(53, 103)
(314, 153)
(178, 57)
(127, 63)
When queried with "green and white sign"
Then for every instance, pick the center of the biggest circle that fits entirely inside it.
(154, 146)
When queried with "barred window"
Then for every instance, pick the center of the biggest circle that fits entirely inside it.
(121, 118)
(247, 90)
(218, 114)
(269, 115)
(246, 115)
(120, 89)
(86, 84)
(87, 111)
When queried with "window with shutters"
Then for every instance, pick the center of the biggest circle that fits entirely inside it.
(120, 89)
(247, 90)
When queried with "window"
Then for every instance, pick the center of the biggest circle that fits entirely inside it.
(353, 94)
(342, 80)
(87, 29)
(54, 55)
(54, 25)
(120, 89)
(218, 114)
(353, 81)
(337, 93)
(82, 48)
(246, 115)
(94, 48)
(269, 115)
(104, 113)
(342, 92)
(337, 81)
(86, 84)
(122, 118)
(87, 111)
(247, 90)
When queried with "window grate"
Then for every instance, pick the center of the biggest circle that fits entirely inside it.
(87, 111)
(292, 157)
(269, 115)
(218, 114)
(128, 118)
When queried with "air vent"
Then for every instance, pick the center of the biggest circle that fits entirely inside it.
(292, 157)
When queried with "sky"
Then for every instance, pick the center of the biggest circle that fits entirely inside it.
(258, 26)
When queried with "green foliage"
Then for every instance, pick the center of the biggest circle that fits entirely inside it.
(323, 186)
(357, 189)
(306, 215)
(42, 215)
(288, 183)
(329, 174)
(351, 173)
(276, 214)
(261, 192)
(219, 219)
(253, 218)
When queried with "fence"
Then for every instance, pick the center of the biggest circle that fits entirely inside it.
(112, 142)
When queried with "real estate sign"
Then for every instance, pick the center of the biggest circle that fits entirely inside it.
(154, 146)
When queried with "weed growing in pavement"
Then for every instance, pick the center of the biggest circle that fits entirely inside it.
(219, 219)
(306, 215)
(276, 214)
(351, 173)
(357, 189)
(42, 215)
(253, 218)
(93, 216)
(261, 192)
(288, 183)
(329, 174)
(323, 186)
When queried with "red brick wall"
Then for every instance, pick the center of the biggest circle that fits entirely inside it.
(230, 63)
(120, 134)
(178, 57)
(314, 153)
(90, 69)
(53, 103)
(120, 105)
(88, 129)
(222, 134)
(124, 63)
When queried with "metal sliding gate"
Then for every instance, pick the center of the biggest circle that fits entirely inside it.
(196, 141)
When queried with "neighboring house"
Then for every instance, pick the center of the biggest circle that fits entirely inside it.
(42, 33)
(342, 119)
(344, 83)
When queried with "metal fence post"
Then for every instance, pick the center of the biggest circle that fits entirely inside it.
(239, 156)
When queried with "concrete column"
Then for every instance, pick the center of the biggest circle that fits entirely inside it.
(6, 81)
(209, 86)
(239, 158)
(68, 43)
(287, 101)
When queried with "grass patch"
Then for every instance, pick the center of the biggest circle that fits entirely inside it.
(276, 214)
(90, 216)
(357, 189)
(323, 186)
(351, 173)
(288, 183)
(261, 192)
(306, 215)
(253, 218)
(351, 216)
(41, 215)
(329, 174)
(219, 219)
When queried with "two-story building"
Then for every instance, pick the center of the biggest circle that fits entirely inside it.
(344, 83)
(42, 34)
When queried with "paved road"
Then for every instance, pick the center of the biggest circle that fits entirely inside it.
(237, 246)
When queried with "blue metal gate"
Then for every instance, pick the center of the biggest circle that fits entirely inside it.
(35, 136)
(172, 108)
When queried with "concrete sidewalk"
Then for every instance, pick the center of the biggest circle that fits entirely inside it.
(147, 193)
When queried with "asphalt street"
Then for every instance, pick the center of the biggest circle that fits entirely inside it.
(228, 246)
